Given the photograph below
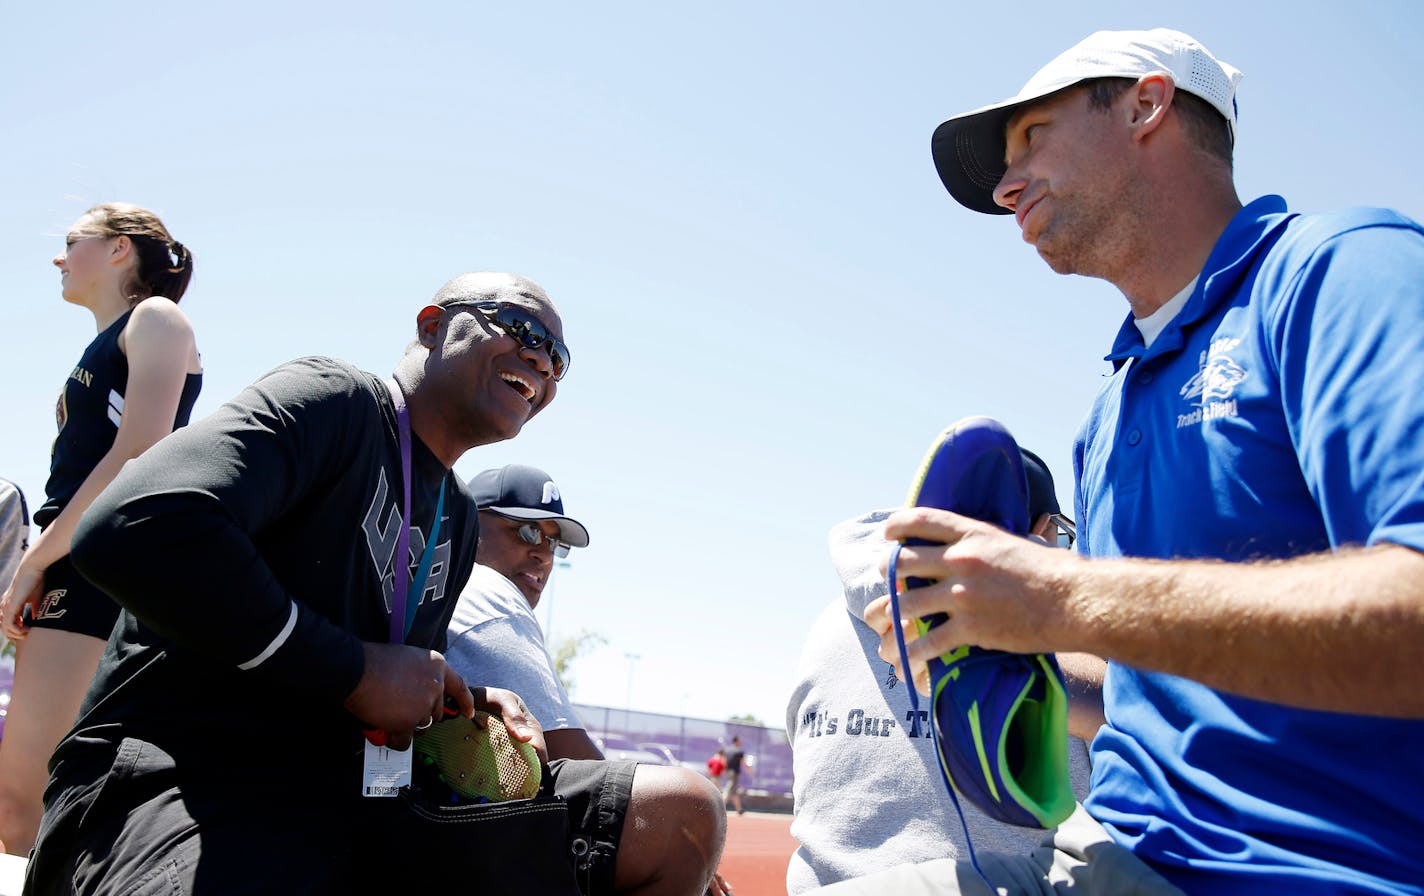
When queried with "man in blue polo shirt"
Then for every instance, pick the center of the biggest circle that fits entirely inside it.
(1250, 499)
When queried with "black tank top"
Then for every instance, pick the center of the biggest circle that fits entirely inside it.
(88, 413)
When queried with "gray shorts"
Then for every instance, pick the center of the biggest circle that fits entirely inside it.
(733, 785)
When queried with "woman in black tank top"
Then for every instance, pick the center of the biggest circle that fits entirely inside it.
(135, 383)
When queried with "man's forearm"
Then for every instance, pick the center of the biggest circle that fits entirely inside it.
(571, 743)
(1338, 632)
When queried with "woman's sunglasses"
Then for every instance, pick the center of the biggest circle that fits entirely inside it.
(526, 329)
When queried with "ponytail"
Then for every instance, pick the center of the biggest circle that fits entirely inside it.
(164, 266)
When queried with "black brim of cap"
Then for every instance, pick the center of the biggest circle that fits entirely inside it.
(968, 153)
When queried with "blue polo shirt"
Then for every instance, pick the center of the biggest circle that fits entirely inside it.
(1281, 413)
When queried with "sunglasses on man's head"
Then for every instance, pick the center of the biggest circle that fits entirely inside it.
(525, 329)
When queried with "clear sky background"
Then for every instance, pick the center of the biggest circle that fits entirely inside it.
(773, 305)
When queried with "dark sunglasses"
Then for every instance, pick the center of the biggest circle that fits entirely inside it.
(533, 535)
(525, 329)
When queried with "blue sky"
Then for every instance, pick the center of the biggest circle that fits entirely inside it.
(772, 304)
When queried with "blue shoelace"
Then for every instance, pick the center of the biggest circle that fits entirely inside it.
(915, 708)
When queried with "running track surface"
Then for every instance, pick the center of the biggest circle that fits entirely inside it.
(759, 846)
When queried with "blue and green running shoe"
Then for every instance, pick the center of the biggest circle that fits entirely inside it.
(1000, 720)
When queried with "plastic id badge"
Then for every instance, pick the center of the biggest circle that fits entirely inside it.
(385, 771)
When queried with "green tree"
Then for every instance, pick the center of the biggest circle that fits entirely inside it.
(747, 719)
(566, 650)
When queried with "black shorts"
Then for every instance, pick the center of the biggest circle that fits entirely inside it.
(72, 604)
(136, 821)
(597, 793)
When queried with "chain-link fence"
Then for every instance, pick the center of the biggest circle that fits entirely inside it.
(680, 740)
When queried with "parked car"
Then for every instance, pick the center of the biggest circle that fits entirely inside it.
(667, 752)
(617, 747)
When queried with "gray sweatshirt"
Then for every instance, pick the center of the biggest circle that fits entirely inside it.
(868, 793)
(14, 530)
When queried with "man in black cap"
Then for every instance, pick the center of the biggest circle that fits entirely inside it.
(493, 635)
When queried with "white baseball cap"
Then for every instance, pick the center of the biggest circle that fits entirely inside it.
(968, 149)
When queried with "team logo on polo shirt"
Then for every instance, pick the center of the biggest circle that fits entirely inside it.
(1213, 386)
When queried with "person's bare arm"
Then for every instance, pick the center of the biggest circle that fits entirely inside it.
(1336, 631)
(1083, 678)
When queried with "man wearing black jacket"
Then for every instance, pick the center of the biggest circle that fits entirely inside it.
(267, 626)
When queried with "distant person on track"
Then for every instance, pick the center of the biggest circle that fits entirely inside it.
(737, 765)
(716, 765)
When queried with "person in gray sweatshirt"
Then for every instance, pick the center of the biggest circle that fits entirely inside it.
(867, 788)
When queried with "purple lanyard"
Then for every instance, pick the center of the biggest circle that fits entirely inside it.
(400, 621)
(402, 571)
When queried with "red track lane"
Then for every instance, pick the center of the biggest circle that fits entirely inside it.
(759, 846)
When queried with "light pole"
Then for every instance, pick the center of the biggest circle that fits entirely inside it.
(632, 659)
(547, 599)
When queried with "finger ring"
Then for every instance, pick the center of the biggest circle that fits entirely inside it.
(429, 720)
